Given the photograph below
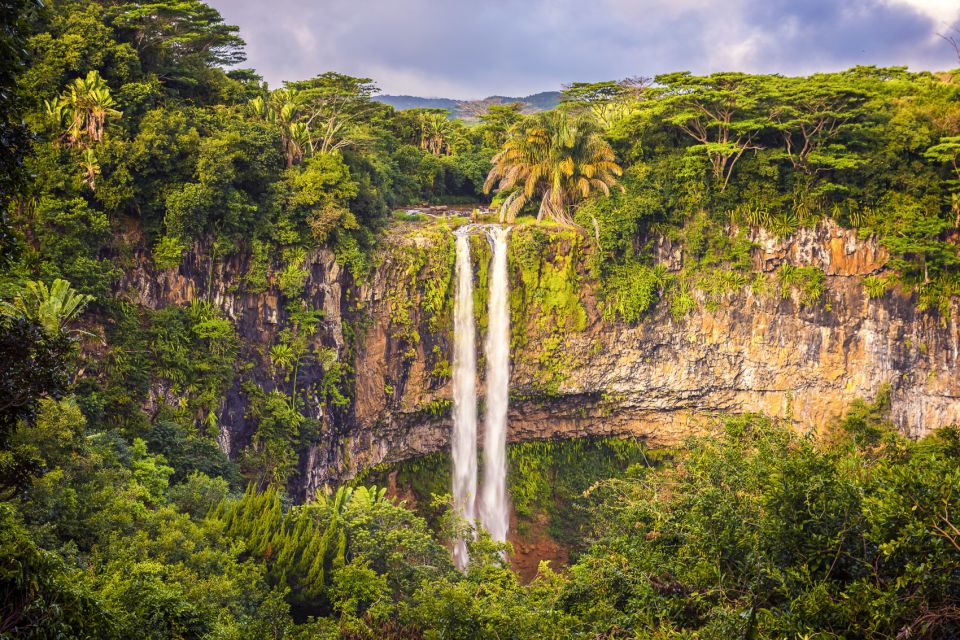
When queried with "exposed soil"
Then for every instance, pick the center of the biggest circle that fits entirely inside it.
(534, 546)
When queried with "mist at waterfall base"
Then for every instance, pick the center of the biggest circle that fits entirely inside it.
(493, 507)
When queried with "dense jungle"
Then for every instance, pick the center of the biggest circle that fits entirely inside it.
(229, 363)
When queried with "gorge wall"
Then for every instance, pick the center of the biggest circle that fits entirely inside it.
(576, 373)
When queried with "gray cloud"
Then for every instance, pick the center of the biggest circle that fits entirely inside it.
(470, 49)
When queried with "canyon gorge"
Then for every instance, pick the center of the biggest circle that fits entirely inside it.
(576, 372)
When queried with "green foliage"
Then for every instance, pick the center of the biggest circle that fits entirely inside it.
(272, 455)
(83, 109)
(772, 534)
(545, 299)
(422, 296)
(258, 269)
(69, 234)
(681, 303)
(189, 453)
(168, 252)
(322, 549)
(753, 529)
(560, 158)
(550, 279)
(124, 142)
(876, 286)
(36, 350)
(293, 277)
(42, 596)
(704, 155)
(52, 308)
(632, 289)
(21, 18)
(806, 281)
(194, 349)
(550, 477)
(546, 480)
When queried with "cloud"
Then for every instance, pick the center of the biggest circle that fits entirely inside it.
(469, 49)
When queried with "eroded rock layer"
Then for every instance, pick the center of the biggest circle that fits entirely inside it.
(576, 373)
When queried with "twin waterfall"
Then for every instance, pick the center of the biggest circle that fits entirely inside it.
(493, 496)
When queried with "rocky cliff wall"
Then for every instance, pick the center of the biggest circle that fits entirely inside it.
(576, 373)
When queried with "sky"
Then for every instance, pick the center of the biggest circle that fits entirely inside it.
(469, 49)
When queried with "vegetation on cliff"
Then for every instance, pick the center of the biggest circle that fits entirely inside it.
(753, 530)
(125, 146)
(707, 159)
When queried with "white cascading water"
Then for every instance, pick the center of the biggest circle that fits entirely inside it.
(464, 438)
(493, 499)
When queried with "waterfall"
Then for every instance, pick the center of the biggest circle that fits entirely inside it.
(493, 501)
(464, 438)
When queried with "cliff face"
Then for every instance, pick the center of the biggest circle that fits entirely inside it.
(578, 374)
(662, 378)
(258, 317)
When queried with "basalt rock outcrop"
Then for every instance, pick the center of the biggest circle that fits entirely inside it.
(661, 379)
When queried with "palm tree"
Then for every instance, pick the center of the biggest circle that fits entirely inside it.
(52, 308)
(434, 130)
(558, 156)
(297, 140)
(90, 169)
(283, 110)
(84, 108)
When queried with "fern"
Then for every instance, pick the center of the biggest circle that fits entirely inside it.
(783, 224)
(876, 286)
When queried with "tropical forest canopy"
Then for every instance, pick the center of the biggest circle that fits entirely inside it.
(129, 126)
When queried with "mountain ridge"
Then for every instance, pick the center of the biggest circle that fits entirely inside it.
(470, 109)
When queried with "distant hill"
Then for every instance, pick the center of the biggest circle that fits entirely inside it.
(469, 109)
(415, 102)
(543, 101)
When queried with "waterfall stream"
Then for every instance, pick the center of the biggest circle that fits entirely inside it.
(464, 437)
(494, 515)
(493, 498)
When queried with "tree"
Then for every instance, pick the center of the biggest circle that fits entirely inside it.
(948, 151)
(496, 123)
(608, 101)
(179, 40)
(559, 157)
(915, 236)
(272, 454)
(90, 168)
(83, 108)
(18, 18)
(51, 308)
(281, 109)
(317, 116)
(812, 114)
(32, 366)
(434, 131)
(42, 598)
(33, 353)
(332, 105)
(724, 113)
